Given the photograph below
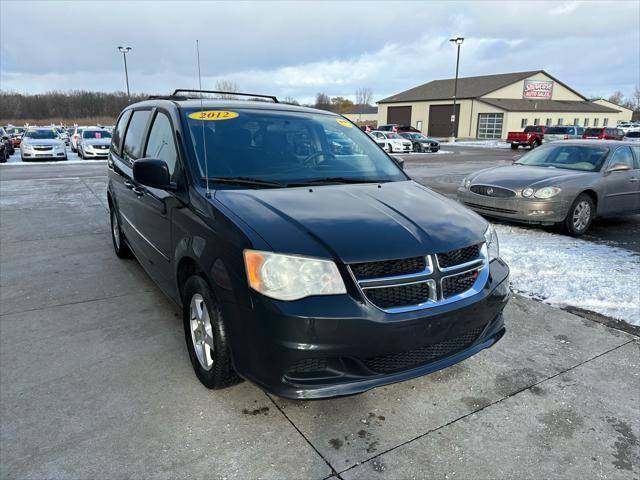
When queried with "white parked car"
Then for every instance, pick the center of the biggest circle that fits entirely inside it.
(633, 136)
(94, 143)
(42, 144)
(77, 132)
(394, 142)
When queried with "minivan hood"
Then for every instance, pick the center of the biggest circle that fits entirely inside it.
(356, 222)
(521, 176)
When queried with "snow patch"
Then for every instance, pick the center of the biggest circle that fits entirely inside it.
(566, 271)
(479, 143)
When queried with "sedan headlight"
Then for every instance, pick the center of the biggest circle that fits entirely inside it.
(527, 192)
(493, 245)
(26, 146)
(547, 192)
(466, 182)
(291, 277)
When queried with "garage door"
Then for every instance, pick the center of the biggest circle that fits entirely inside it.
(399, 115)
(440, 120)
(490, 125)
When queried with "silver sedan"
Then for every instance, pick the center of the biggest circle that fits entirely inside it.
(566, 183)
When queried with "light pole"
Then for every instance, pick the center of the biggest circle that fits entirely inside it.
(124, 51)
(458, 41)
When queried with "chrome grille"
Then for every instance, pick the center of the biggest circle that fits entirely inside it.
(491, 191)
(459, 256)
(414, 283)
(402, 295)
(388, 268)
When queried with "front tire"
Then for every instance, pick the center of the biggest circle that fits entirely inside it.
(514, 146)
(119, 243)
(206, 337)
(417, 148)
(580, 216)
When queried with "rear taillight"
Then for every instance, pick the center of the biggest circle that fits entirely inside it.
(528, 136)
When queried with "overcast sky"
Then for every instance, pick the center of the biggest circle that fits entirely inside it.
(300, 48)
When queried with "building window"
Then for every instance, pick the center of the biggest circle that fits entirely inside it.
(490, 125)
(548, 122)
(419, 125)
(576, 121)
(561, 121)
(523, 123)
(595, 122)
(536, 121)
(605, 122)
(586, 122)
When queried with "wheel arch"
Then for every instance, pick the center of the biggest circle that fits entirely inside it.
(593, 195)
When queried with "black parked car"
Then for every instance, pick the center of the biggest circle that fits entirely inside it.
(308, 273)
(422, 143)
(6, 145)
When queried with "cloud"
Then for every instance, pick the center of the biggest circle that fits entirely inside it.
(299, 49)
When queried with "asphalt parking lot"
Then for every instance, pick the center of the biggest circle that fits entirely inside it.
(96, 381)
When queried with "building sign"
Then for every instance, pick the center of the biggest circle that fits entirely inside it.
(537, 89)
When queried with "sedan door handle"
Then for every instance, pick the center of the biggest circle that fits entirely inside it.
(128, 184)
(633, 179)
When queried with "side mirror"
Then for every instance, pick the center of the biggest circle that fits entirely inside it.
(5, 138)
(618, 167)
(399, 161)
(153, 172)
(515, 158)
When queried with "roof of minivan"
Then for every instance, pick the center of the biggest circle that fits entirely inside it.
(229, 104)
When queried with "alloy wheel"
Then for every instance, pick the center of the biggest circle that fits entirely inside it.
(115, 229)
(201, 331)
(581, 215)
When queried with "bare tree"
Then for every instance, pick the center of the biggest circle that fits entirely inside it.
(290, 101)
(323, 101)
(364, 95)
(617, 97)
(636, 98)
(227, 86)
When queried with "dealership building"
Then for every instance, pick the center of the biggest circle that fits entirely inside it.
(489, 106)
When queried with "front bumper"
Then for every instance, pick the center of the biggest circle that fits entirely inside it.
(95, 153)
(527, 210)
(397, 147)
(322, 347)
(44, 155)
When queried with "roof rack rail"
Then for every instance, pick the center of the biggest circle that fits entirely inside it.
(179, 90)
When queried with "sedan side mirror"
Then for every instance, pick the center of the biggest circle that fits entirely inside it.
(153, 172)
(399, 161)
(618, 167)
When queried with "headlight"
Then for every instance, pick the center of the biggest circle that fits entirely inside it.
(493, 245)
(27, 146)
(466, 182)
(527, 192)
(547, 192)
(291, 277)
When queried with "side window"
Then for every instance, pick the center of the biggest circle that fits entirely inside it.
(624, 156)
(636, 152)
(133, 138)
(161, 144)
(118, 132)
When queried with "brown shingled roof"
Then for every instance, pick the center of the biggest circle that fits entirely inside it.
(468, 87)
(527, 105)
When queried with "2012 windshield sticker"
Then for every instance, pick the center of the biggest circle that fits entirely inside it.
(213, 115)
(344, 123)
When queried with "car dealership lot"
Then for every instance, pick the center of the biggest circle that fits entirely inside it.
(96, 382)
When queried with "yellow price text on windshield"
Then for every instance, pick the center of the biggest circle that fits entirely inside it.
(213, 115)
(344, 123)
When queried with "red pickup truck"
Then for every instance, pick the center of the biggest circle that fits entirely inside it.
(531, 137)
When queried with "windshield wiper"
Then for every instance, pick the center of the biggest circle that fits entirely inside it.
(333, 180)
(246, 181)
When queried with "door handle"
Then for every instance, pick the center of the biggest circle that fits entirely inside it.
(139, 191)
(128, 184)
(633, 179)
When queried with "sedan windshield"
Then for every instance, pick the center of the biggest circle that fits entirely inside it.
(41, 134)
(285, 148)
(570, 157)
(96, 134)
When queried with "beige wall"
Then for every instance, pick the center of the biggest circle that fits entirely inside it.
(467, 125)
(624, 115)
(515, 90)
(512, 120)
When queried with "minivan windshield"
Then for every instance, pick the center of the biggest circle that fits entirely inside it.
(284, 148)
(570, 157)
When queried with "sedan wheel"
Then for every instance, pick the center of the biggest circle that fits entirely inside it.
(417, 147)
(580, 215)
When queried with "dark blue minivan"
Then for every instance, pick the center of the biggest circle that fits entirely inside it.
(304, 259)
